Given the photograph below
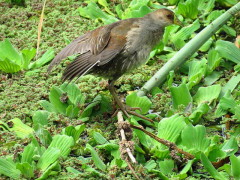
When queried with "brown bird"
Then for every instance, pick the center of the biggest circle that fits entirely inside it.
(112, 50)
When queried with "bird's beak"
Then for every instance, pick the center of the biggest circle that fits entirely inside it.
(177, 21)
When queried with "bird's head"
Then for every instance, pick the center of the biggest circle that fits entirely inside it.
(164, 17)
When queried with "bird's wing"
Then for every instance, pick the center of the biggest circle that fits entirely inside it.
(100, 55)
(93, 41)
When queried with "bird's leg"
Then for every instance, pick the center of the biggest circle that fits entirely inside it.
(115, 97)
(123, 107)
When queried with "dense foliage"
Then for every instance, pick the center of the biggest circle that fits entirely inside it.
(50, 130)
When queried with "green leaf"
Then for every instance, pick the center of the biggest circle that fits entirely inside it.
(212, 78)
(48, 158)
(209, 167)
(133, 100)
(40, 117)
(8, 168)
(97, 161)
(46, 57)
(92, 11)
(55, 99)
(197, 71)
(228, 51)
(8, 66)
(166, 166)
(226, 103)
(197, 114)
(235, 164)
(75, 132)
(48, 106)
(188, 9)
(150, 165)
(171, 128)
(231, 85)
(72, 111)
(43, 134)
(99, 138)
(26, 169)
(28, 153)
(28, 55)
(22, 130)
(88, 110)
(207, 94)
(230, 146)
(63, 143)
(7, 51)
(194, 139)
(74, 94)
(180, 95)
(184, 34)
(213, 60)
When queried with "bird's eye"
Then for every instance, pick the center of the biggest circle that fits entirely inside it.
(170, 16)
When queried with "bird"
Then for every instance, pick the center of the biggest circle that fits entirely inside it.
(115, 49)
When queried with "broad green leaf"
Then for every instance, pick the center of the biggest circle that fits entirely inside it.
(43, 134)
(212, 78)
(63, 143)
(197, 114)
(28, 153)
(171, 128)
(92, 11)
(48, 158)
(8, 66)
(22, 130)
(180, 95)
(95, 157)
(230, 146)
(74, 94)
(213, 60)
(184, 33)
(46, 57)
(8, 168)
(28, 55)
(207, 94)
(228, 51)
(99, 138)
(166, 166)
(72, 111)
(133, 100)
(197, 71)
(188, 9)
(55, 99)
(209, 167)
(231, 85)
(48, 106)
(235, 165)
(226, 103)
(194, 139)
(26, 169)
(40, 117)
(150, 165)
(88, 110)
(75, 132)
(205, 47)
(9, 52)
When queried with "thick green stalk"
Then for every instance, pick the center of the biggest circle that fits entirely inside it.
(188, 50)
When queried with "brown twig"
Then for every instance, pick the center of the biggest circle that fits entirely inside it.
(124, 142)
(141, 116)
(126, 146)
(169, 144)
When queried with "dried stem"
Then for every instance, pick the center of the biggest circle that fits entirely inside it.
(169, 144)
(124, 142)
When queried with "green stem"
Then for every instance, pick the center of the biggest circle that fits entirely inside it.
(188, 50)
